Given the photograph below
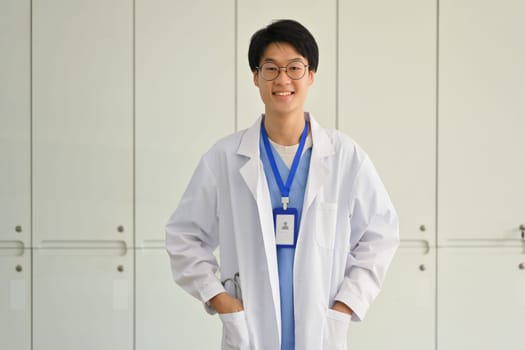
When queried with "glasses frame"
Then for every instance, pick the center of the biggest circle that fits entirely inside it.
(306, 67)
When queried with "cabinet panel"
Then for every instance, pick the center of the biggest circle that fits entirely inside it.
(481, 122)
(319, 18)
(185, 100)
(81, 299)
(403, 315)
(15, 298)
(15, 122)
(481, 298)
(386, 99)
(82, 120)
(167, 317)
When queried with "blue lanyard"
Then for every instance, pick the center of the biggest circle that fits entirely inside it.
(285, 189)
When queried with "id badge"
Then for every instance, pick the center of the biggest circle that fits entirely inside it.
(285, 225)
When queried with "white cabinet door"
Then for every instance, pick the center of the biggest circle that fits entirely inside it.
(481, 120)
(319, 17)
(15, 183)
(82, 55)
(166, 316)
(481, 298)
(403, 315)
(386, 99)
(82, 299)
(15, 298)
(185, 100)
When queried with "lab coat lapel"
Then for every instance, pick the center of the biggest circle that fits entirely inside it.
(322, 148)
(249, 147)
(253, 174)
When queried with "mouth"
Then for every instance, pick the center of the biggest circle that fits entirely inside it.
(283, 93)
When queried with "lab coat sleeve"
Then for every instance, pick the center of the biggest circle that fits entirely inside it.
(191, 237)
(374, 240)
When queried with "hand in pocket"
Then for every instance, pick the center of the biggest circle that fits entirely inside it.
(235, 334)
(335, 335)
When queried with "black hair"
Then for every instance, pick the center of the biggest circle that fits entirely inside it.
(284, 31)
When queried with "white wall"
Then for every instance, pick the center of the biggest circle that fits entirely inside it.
(105, 108)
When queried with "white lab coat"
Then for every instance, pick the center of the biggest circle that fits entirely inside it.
(347, 237)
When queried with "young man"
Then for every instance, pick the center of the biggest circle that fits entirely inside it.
(305, 227)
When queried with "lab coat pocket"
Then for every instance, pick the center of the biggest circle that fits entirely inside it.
(326, 225)
(234, 331)
(335, 335)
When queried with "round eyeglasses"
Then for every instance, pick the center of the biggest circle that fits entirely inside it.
(294, 70)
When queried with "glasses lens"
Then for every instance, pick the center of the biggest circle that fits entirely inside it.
(295, 70)
(269, 71)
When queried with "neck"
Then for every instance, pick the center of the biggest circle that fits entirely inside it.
(285, 131)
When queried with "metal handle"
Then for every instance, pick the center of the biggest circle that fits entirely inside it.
(18, 268)
(422, 228)
(120, 228)
(18, 228)
(422, 267)
(521, 266)
(120, 268)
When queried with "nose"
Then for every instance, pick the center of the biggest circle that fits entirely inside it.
(283, 76)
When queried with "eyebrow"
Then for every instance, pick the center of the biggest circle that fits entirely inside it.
(297, 59)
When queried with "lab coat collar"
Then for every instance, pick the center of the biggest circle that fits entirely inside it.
(249, 147)
(322, 148)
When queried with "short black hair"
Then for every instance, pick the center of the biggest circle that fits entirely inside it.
(284, 31)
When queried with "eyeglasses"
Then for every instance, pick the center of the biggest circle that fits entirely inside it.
(294, 70)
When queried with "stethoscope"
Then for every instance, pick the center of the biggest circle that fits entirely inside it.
(236, 281)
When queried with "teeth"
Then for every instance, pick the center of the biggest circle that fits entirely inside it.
(282, 93)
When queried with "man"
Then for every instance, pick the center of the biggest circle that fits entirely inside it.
(305, 227)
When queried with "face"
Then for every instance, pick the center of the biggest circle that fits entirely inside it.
(283, 96)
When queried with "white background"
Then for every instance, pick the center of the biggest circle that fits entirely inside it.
(106, 107)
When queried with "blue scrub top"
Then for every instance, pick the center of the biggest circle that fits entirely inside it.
(285, 255)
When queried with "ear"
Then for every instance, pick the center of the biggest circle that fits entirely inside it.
(256, 77)
(311, 77)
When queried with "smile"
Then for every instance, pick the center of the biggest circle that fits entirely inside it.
(284, 93)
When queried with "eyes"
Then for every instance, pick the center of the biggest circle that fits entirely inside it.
(270, 71)
(270, 67)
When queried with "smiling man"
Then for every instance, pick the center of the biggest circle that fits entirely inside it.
(305, 227)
